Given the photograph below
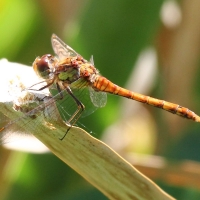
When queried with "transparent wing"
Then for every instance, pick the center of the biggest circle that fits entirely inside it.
(90, 98)
(32, 122)
(99, 99)
(67, 106)
(35, 119)
(61, 49)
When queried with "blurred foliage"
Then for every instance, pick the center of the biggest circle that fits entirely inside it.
(114, 32)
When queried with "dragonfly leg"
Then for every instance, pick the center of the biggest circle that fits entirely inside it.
(42, 88)
(77, 114)
(59, 91)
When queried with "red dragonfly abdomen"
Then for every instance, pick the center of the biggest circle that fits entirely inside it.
(103, 84)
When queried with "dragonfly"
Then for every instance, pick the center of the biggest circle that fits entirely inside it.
(70, 70)
(73, 77)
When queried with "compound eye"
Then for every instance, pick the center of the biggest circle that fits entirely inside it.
(41, 66)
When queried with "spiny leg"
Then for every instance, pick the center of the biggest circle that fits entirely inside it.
(77, 113)
(49, 84)
(42, 88)
(59, 92)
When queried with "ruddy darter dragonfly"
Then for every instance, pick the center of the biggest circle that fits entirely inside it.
(70, 70)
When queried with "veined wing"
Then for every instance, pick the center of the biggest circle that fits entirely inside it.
(61, 49)
(42, 116)
(98, 98)
(91, 99)
(32, 121)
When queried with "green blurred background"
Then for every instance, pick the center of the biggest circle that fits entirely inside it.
(116, 33)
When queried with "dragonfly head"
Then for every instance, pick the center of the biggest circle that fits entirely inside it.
(43, 66)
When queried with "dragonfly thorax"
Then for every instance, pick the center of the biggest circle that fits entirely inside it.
(70, 74)
(88, 71)
(73, 68)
